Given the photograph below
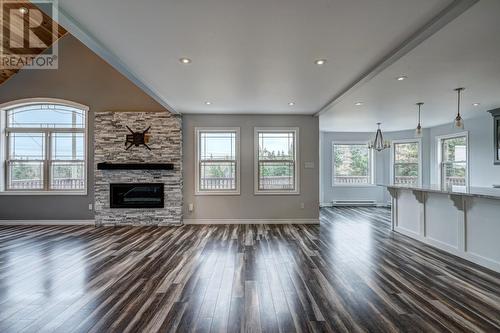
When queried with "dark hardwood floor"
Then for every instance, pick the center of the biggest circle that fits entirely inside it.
(351, 274)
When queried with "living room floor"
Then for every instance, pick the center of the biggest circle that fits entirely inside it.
(349, 274)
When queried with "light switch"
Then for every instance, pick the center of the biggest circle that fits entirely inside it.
(309, 165)
(190, 207)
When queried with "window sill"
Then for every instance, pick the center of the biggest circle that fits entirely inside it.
(275, 193)
(50, 193)
(354, 185)
(216, 193)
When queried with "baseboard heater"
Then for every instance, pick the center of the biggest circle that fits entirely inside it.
(354, 203)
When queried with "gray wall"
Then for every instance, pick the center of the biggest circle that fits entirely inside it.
(85, 78)
(247, 205)
(382, 166)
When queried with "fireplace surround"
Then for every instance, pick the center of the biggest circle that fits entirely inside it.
(113, 164)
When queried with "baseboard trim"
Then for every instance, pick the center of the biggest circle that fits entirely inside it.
(452, 250)
(47, 222)
(251, 221)
(409, 233)
(374, 204)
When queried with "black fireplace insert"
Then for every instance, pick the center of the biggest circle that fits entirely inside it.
(137, 195)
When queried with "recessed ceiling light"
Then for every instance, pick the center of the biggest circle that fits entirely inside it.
(185, 61)
(476, 104)
(320, 62)
(291, 104)
(402, 78)
(23, 10)
(358, 103)
(208, 103)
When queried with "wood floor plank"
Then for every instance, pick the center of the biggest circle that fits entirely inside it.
(351, 273)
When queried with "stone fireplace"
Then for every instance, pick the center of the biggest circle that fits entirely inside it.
(131, 185)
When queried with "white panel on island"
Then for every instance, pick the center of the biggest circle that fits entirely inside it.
(463, 221)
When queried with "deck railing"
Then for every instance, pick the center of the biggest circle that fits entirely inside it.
(217, 183)
(274, 182)
(458, 181)
(214, 183)
(353, 180)
(402, 180)
(57, 184)
(406, 180)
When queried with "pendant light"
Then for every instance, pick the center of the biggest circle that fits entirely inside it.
(418, 130)
(459, 122)
(379, 144)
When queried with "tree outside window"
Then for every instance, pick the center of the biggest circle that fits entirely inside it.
(276, 160)
(352, 164)
(217, 160)
(454, 161)
(406, 163)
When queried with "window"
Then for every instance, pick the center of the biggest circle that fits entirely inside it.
(45, 148)
(276, 161)
(406, 162)
(352, 164)
(453, 160)
(217, 160)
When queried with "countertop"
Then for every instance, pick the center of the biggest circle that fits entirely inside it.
(471, 191)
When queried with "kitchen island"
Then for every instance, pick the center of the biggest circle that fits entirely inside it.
(464, 221)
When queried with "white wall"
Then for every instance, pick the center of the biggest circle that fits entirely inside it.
(328, 191)
(482, 170)
(382, 166)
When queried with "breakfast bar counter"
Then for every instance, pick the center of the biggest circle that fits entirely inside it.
(464, 221)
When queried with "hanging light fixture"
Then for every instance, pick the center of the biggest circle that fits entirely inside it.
(459, 122)
(378, 143)
(418, 130)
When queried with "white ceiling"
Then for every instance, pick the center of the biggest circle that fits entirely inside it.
(465, 53)
(255, 56)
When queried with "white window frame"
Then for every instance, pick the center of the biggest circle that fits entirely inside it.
(4, 142)
(393, 158)
(371, 164)
(197, 132)
(297, 166)
(439, 167)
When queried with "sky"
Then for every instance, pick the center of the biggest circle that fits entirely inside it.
(31, 146)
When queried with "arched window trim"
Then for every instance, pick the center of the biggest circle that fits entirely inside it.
(41, 100)
(4, 142)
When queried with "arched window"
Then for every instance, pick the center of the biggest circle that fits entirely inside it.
(45, 146)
